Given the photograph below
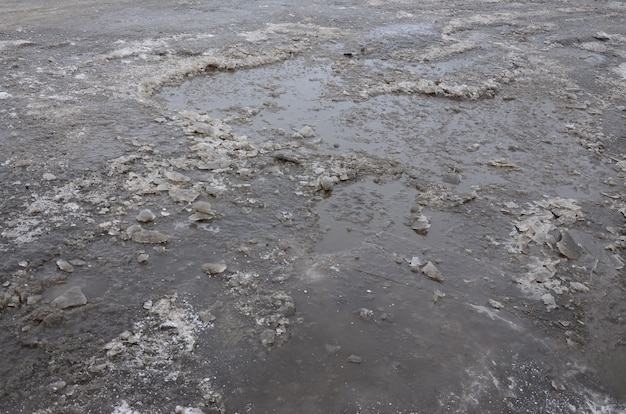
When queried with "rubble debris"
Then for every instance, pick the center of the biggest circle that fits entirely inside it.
(145, 216)
(65, 266)
(70, 298)
(432, 272)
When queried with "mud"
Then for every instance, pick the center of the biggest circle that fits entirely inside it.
(382, 207)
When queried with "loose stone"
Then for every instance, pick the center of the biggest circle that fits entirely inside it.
(366, 314)
(65, 266)
(214, 268)
(306, 132)
(578, 287)
(549, 301)
(354, 359)
(432, 272)
(568, 247)
(145, 216)
(70, 298)
(327, 183)
(203, 207)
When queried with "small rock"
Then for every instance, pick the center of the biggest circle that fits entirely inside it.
(143, 258)
(201, 217)
(214, 268)
(203, 207)
(332, 349)
(415, 263)
(549, 301)
(568, 247)
(145, 216)
(432, 272)
(353, 359)
(601, 36)
(421, 225)
(306, 132)
(23, 263)
(366, 314)
(495, 304)
(437, 294)
(70, 298)
(5, 95)
(65, 266)
(49, 177)
(133, 229)
(578, 287)
(149, 237)
(327, 183)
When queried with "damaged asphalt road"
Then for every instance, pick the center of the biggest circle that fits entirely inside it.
(383, 207)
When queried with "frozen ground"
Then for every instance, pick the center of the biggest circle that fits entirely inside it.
(322, 207)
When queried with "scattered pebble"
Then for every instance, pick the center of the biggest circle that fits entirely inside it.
(327, 183)
(421, 225)
(145, 216)
(568, 247)
(203, 207)
(70, 298)
(366, 314)
(432, 272)
(549, 301)
(495, 304)
(306, 132)
(214, 268)
(49, 177)
(65, 266)
(143, 258)
(354, 359)
(578, 287)
(437, 294)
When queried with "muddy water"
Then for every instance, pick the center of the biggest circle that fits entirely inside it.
(375, 335)
(413, 208)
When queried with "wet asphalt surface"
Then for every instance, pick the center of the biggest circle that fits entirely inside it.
(381, 207)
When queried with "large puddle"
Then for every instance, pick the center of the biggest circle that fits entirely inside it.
(375, 333)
